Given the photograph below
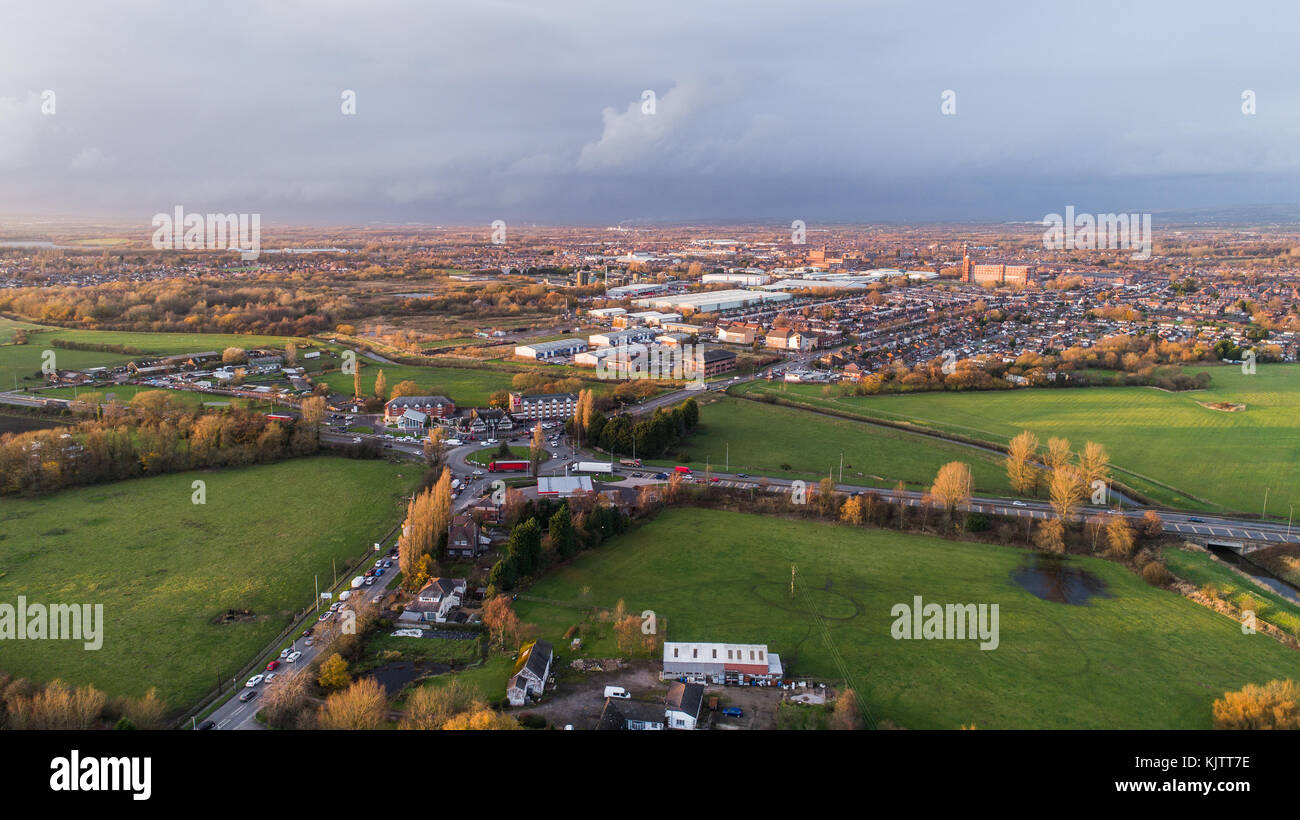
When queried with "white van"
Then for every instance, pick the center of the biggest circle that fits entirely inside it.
(616, 692)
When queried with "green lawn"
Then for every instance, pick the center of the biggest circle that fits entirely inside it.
(125, 392)
(164, 568)
(24, 361)
(487, 679)
(467, 388)
(486, 455)
(763, 437)
(1143, 659)
(1229, 459)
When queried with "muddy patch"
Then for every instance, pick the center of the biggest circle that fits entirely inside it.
(1223, 406)
(1055, 579)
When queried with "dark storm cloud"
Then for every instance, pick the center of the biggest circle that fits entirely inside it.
(532, 111)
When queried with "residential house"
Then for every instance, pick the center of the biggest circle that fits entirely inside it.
(463, 538)
(435, 600)
(682, 705)
(531, 671)
(631, 715)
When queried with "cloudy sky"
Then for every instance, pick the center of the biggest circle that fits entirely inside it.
(532, 111)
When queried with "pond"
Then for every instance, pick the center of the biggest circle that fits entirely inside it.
(1055, 579)
(393, 676)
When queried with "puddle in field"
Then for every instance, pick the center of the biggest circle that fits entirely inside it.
(1055, 579)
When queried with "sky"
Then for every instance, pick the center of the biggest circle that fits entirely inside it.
(534, 113)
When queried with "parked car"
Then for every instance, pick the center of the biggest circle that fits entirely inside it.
(248, 695)
(293, 657)
(616, 692)
(733, 711)
(255, 680)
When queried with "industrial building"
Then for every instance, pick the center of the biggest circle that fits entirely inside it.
(721, 662)
(712, 302)
(549, 350)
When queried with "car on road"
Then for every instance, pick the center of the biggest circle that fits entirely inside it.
(379, 572)
(293, 657)
(284, 653)
(742, 475)
(661, 476)
(309, 642)
(207, 724)
(714, 480)
(490, 441)
(369, 573)
(1114, 512)
(326, 615)
(305, 633)
(254, 681)
(379, 563)
(248, 695)
(334, 607)
(387, 564)
(356, 439)
(271, 667)
(370, 580)
(733, 711)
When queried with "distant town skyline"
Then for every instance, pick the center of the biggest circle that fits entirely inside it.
(531, 113)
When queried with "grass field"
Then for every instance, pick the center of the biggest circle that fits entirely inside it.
(488, 454)
(1144, 658)
(25, 360)
(467, 388)
(125, 392)
(1227, 459)
(762, 437)
(1201, 569)
(164, 567)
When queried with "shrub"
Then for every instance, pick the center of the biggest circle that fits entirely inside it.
(1156, 575)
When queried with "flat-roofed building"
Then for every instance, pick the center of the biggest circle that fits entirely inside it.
(721, 662)
(551, 349)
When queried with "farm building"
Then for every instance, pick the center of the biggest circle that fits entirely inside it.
(721, 662)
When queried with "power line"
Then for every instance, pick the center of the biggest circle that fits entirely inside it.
(836, 657)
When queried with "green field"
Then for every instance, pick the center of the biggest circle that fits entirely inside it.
(25, 360)
(488, 454)
(125, 392)
(467, 388)
(164, 568)
(1145, 658)
(762, 437)
(1226, 459)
